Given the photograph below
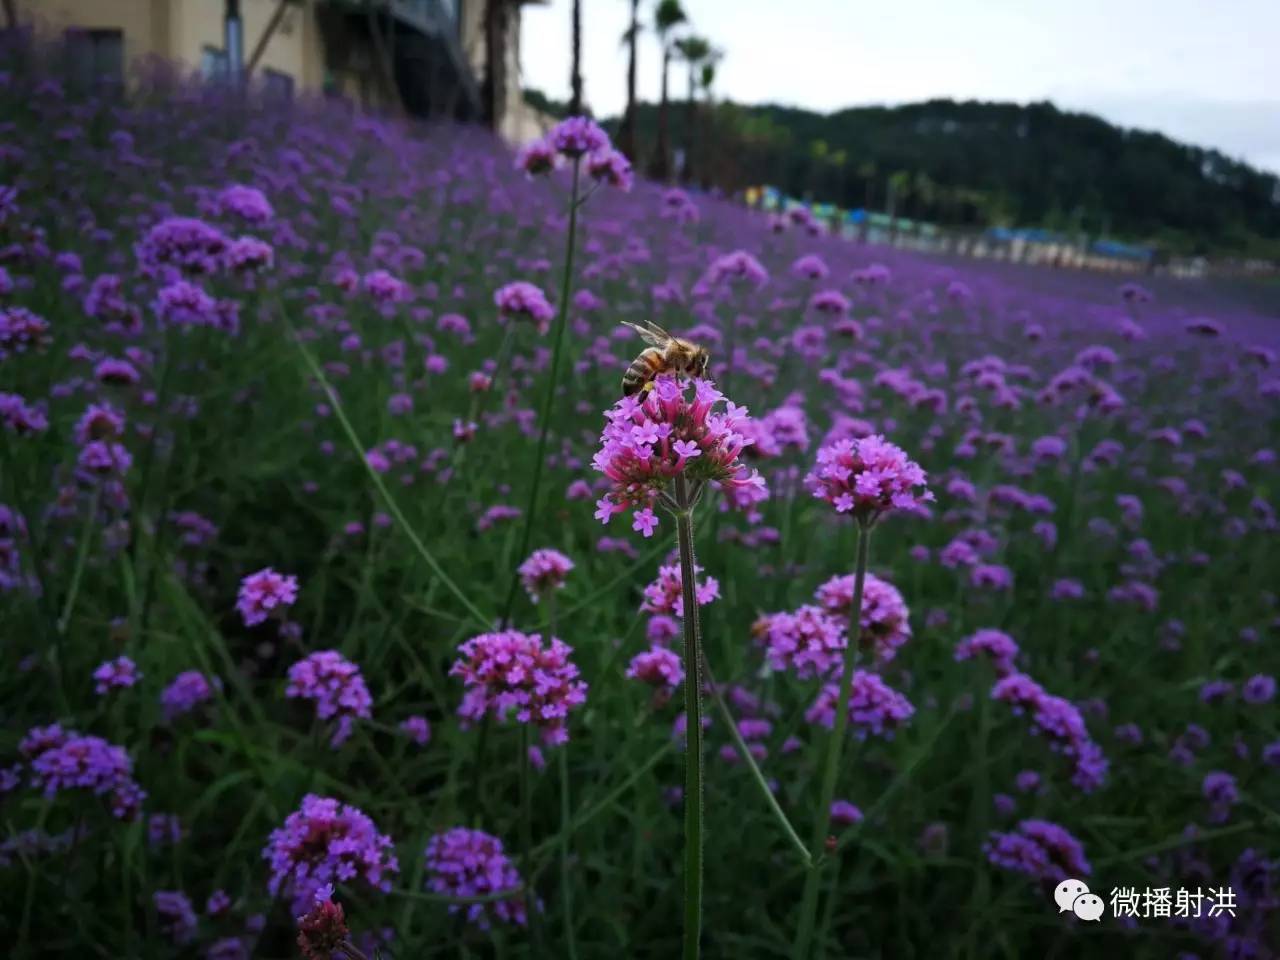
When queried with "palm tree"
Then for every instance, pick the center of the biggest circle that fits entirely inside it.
(627, 130)
(706, 78)
(575, 74)
(867, 171)
(693, 50)
(667, 17)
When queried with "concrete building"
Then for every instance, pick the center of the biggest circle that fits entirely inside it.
(422, 57)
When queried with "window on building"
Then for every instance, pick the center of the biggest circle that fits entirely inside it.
(95, 57)
(213, 63)
(277, 86)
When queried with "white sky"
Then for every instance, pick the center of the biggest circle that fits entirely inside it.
(1202, 71)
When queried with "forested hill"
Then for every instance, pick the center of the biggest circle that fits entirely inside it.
(987, 164)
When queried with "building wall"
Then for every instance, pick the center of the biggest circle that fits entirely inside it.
(292, 49)
(179, 30)
(145, 23)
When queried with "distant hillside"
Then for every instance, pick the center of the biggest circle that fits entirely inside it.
(990, 164)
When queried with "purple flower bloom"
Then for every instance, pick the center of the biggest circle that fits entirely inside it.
(991, 576)
(100, 459)
(177, 918)
(1040, 849)
(185, 243)
(188, 690)
(810, 267)
(665, 595)
(417, 729)
(100, 421)
(336, 686)
(867, 477)
(1060, 722)
(831, 302)
(265, 594)
(611, 167)
(21, 330)
(844, 813)
(875, 708)
(247, 203)
(1000, 648)
(471, 863)
(536, 158)
(1027, 781)
(219, 902)
(637, 449)
(544, 572)
(325, 842)
(575, 136)
(1259, 689)
(163, 829)
(184, 304)
(738, 265)
(659, 667)
(512, 671)
(119, 373)
(1066, 589)
(386, 289)
(521, 300)
(194, 530)
(249, 254)
(1220, 790)
(118, 674)
(66, 760)
(20, 417)
(885, 620)
(809, 641)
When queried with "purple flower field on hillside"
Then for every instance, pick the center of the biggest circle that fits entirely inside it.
(350, 609)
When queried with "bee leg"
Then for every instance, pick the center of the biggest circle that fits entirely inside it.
(648, 386)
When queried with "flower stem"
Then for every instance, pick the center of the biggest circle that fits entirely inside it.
(82, 556)
(831, 768)
(549, 395)
(693, 726)
(756, 774)
(526, 841)
(332, 396)
(566, 817)
(566, 814)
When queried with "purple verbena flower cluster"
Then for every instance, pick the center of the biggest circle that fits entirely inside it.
(510, 672)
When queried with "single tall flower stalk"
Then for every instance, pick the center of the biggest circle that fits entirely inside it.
(682, 507)
(82, 556)
(549, 394)
(582, 142)
(664, 447)
(566, 817)
(835, 747)
(867, 479)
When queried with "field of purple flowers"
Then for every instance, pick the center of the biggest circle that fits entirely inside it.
(343, 597)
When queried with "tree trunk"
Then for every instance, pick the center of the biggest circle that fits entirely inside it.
(662, 159)
(575, 76)
(690, 106)
(495, 79)
(627, 134)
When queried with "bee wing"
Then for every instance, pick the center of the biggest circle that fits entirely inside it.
(659, 330)
(648, 336)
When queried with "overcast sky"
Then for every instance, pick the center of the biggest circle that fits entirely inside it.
(1202, 71)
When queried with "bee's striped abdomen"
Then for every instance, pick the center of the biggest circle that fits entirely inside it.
(641, 371)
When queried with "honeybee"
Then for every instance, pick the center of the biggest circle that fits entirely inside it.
(665, 354)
